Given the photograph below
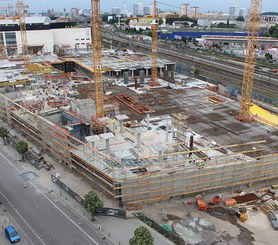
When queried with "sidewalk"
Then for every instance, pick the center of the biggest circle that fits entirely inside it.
(118, 231)
(4, 221)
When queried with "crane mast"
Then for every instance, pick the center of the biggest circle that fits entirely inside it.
(99, 98)
(154, 45)
(23, 33)
(250, 61)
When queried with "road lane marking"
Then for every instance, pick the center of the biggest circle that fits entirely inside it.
(72, 221)
(10, 162)
(22, 231)
(11, 217)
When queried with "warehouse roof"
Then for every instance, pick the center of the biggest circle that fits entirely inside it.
(29, 20)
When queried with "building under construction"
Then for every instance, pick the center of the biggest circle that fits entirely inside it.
(154, 138)
(164, 142)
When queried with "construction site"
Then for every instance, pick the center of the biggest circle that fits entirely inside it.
(116, 117)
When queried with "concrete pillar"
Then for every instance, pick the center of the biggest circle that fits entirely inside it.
(167, 130)
(122, 163)
(148, 121)
(147, 72)
(121, 126)
(93, 152)
(107, 146)
(132, 73)
(138, 140)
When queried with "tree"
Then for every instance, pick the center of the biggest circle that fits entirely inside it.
(141, 236)
(160, 21)
(21, 147)
(196, 72)
(273, 31)
(268, 56)
(221, 25)
(240, 18)
(92, 203)
(183, 39)
(4, 133)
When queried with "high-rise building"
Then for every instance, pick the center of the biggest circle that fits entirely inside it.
(116, 10)
(87, 12)
(234, 11)
(138, 9)
(185, 9)
(148, 10)
(75, 12)
(194, 13)
(242, 12)
(125, 11)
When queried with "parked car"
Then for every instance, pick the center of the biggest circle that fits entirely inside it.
(12, 234)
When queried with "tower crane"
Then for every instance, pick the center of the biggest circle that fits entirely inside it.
(99, 97)
(250, 61)
(23, 34)
(154, 45)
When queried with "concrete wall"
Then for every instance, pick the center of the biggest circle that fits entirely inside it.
(37, 38)
(49, 38)
(72, 36)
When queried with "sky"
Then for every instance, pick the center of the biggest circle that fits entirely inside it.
(106, 5)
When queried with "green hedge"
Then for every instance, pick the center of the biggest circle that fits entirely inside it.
(170, 235)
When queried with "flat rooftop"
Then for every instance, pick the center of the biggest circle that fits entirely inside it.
(121, 61)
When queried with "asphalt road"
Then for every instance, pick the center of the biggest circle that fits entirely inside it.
(39, 216)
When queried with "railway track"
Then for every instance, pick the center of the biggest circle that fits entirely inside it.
(224, 72)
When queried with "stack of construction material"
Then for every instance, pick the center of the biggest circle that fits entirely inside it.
(273, 220)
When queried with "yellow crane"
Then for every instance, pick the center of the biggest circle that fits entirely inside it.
(154, 45)
(23, 33)
(250, 61)
(99, 97)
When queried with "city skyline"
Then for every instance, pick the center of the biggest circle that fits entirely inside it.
(218, 5)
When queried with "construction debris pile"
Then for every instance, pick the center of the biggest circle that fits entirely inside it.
(240, 203)
(204, 218)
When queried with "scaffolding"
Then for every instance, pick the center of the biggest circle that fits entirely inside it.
(167, 175)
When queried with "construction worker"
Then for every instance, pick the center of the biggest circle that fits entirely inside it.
(201, 164)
